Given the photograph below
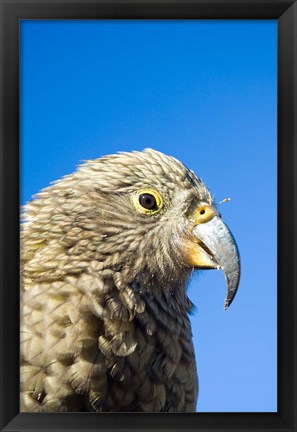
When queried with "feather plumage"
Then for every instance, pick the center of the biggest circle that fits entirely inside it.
(104, 311)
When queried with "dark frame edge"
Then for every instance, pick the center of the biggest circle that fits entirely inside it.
(287, 238)
(9, 212)
(158, 422)
(145, 9)
(285, 419)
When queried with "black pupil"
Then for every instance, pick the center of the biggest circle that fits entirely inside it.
(148, 201)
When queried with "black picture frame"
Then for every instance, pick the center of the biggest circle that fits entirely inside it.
(285, 12)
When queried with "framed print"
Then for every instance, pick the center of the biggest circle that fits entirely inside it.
(113, 322)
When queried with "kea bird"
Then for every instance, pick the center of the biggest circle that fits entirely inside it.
(106, 255)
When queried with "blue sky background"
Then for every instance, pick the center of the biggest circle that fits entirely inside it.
(204, 92)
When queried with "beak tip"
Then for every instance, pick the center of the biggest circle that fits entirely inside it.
(227, 304)
(231, 293)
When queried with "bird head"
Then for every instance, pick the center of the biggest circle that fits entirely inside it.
(144, 213)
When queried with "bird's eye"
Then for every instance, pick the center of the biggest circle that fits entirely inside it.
(147, 201)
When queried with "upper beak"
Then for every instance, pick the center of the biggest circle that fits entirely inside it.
(216, 240)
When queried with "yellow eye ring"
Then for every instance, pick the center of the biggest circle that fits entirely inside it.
(147, 201)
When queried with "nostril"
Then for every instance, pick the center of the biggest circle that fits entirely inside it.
(204, 213)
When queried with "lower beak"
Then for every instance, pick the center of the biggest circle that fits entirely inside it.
(216, 240)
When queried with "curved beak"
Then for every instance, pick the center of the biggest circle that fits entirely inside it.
(217, 241)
